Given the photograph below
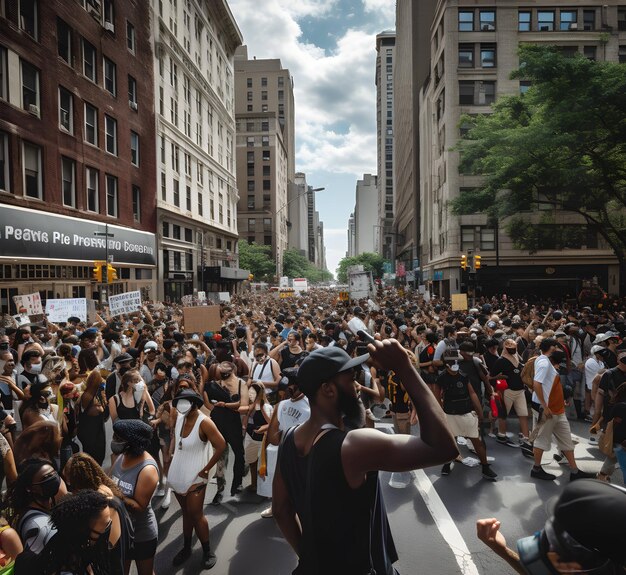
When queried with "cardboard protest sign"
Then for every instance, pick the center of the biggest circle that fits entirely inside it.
(32, 303)
(128, 302)
(59, 310)
(459, 302)
(202, 318)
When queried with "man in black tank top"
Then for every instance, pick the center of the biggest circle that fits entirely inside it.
(328, 476)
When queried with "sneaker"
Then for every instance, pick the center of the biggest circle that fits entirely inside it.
(236, 490)
(489, 473)
(504, 440)
(181, 556)
(167, 499)
(160, 492)
(470, 447)
(446, 469)
(541, 473)
(593, 440)
(267, 514)
(527, 449)
(218, 498)
(581, 475)
(560, 458)
(208, 560)
(588, 419)
(461, 440)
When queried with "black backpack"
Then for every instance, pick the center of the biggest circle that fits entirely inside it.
(456, 397)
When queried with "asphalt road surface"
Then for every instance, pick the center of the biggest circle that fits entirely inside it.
(432, 519)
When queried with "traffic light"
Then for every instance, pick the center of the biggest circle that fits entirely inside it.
(111, 273)
(477, 262)
(463, 262)
(97, 272)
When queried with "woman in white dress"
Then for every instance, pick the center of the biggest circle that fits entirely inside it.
(194, 434)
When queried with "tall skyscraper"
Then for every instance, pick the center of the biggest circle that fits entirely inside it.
(383, 228)
(264, 107)
(194, 48)
(365, 214)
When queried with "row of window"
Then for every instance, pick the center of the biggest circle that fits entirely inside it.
(267, 240)
(280, 82)
(33, 181)
(542, 20)
(252, 225)
(267, 200)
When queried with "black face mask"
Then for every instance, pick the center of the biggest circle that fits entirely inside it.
(49, 487)
(226, 375)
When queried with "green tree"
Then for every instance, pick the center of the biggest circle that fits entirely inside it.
(296, 265)
(371, 262)
(560, 146)
(257, 259)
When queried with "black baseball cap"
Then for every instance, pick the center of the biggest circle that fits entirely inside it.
(322, 364)
(594, 513)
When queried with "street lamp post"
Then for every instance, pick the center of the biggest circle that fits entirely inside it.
(278, 253)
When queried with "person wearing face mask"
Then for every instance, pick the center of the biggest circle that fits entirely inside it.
(583, 535)
(150, 359)
(192, 460)
(464, 412)
(136, 474)
(38, 406)
(226, 397)
(133, 400)
(32, 365)
(8, 387)
(265, 371)
(30, 498)
(93, 414)
(123, 363)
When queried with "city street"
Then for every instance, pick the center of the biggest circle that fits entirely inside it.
(432, 519)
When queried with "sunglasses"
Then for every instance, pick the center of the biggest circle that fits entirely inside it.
(260, 356)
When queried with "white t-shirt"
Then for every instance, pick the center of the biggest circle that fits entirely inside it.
(592, 367)
(545, 374)
(292, 413)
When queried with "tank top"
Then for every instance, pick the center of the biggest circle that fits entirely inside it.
(124, 412)
(263, 372)
(145, 522)
(344, 530)
(191, 455)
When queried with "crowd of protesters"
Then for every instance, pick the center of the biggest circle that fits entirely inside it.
(183, 405)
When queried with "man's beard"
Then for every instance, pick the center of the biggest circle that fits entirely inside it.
(352, 409)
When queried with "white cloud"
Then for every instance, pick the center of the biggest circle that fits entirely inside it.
(386, 7)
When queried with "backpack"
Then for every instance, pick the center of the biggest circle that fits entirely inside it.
(528, 373)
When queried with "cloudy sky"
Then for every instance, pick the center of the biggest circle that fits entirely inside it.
(329, 46)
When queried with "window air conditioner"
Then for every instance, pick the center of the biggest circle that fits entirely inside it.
(133, 105)
(573, 26)
(34, 110)
(65, 117)
(109, 27)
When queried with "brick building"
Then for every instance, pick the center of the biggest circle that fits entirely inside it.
(77, 146)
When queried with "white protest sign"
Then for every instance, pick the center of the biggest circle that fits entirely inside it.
(62, 309)
(32, 303)
(125, 302)
(224, 296)
(201, 296)
(300, 284)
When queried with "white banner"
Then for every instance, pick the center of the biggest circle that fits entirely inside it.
(62, 309)
(125, 302)
(300, 284)
(32, 303)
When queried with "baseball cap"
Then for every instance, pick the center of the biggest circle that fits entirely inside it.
(151, 345)
(596, 349)
(594, 514)
(322, 364)
(123, 358)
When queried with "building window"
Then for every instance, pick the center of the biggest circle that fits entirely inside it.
(163, 187)
(589, 19)
(188, 198)
(187, 164)
(568, 20)
(108, 14)
(266, 155)
(28, 17)
(111, 182)
(487, 239)
(176, 231)
(177, 193)
(33, 181)
(91, 124)
(131, 41)
(30, 87)
(524, 86)
(251, 202)
(622, 54)
(264, 95)
(281, 95)
(132, 92)
(134, 148)
(249, 82)
(524, 18)
(68, 181)
(487, 20)
(66, 110)
(267, 201)
(250, 170)
(136, 203)
(110, 129)
(64, 41)
(166, 230)
(91, 182)
(249, 96)
(487, 55)
(251, 224)
(4, 91)
(250, 141)
(281, 81)
(466, 22)
(4, 162)
(110, 81)
(590, 52)
(265, 126)
(267, 224)
(175, 158)
(251, 185)
(476, 93)
(90, 69)
(264, 82)
(467, 238)
(545, 20)
(466, 55)
(188, 236)
(265, 141)
(200, 174)
(266, 171)
(200, 204)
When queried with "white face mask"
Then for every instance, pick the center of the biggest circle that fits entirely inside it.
(138, 391)
(174, 373)
(454, 367)
(35, 367)
(183, 406)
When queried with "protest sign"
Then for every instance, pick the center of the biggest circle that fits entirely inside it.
(201, 319)
(62, 309)
(459, 302)
(128, 302)
(32, 303)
